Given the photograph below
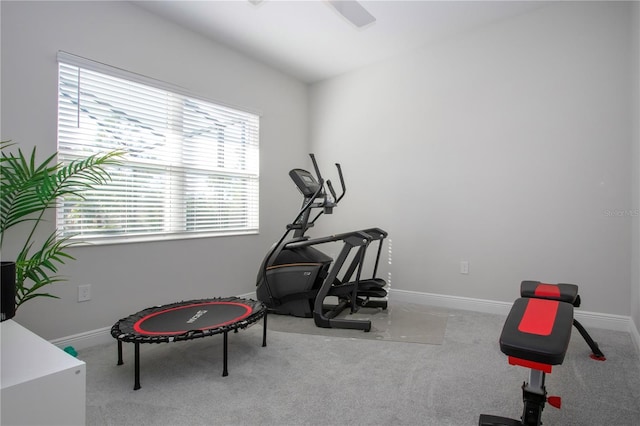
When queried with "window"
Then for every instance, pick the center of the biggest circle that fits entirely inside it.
(191, 168)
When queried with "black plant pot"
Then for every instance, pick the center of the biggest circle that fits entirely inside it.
(8, 291)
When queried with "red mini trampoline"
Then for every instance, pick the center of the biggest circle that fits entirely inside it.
(188, 320)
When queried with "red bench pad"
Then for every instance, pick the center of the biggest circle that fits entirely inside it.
(563, 292)
(537, 330)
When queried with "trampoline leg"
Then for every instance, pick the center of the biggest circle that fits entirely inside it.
(225, 372)
(264, 331)
(136, 384)
(120, 361)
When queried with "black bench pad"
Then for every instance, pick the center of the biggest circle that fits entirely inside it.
(563, 292)
(537, 330)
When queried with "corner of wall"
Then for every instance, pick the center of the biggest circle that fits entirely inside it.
(635, 85)
(635, 336)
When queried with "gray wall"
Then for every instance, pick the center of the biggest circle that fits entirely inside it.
(635, 254)
(503, 147)
(126, 278)
(509, 147)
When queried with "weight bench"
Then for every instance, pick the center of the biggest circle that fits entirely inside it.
(565, 293)
(535, 335)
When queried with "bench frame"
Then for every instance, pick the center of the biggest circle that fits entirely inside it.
(535, 335)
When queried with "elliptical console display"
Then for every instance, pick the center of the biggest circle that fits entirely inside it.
(296, 277)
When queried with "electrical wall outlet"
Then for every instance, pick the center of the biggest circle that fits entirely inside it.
(84, 292)
(464, 267)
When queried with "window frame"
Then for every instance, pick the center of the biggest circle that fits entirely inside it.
(178, 228)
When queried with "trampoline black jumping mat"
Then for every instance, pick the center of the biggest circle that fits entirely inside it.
(187, 320)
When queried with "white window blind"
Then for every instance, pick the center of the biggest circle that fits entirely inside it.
(191, 166)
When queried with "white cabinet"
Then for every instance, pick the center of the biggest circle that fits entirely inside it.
(41, 384)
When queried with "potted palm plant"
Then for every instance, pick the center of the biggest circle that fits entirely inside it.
(28, 190)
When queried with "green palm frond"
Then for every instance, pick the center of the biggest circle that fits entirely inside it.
(28, 190)
(20, 180)
(40, 266)
(77, 176)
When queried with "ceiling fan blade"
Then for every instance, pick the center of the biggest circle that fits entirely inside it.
(353, 11)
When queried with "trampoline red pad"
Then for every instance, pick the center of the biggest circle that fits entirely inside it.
(194, 316)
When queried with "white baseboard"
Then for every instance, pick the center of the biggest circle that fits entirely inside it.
(251, 295)
(588, 319)
(450, 302)
(85, 340)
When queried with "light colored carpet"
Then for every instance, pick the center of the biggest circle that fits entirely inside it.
(407, 323)
(305, 380)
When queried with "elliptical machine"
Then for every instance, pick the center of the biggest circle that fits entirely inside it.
(295, 277)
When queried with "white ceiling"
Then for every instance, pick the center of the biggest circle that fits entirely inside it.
(311, 41)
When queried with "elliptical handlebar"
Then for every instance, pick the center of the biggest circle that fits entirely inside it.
(327, 204)
(342, 184)
(333, 192)
(315, 166)
(316, 196)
